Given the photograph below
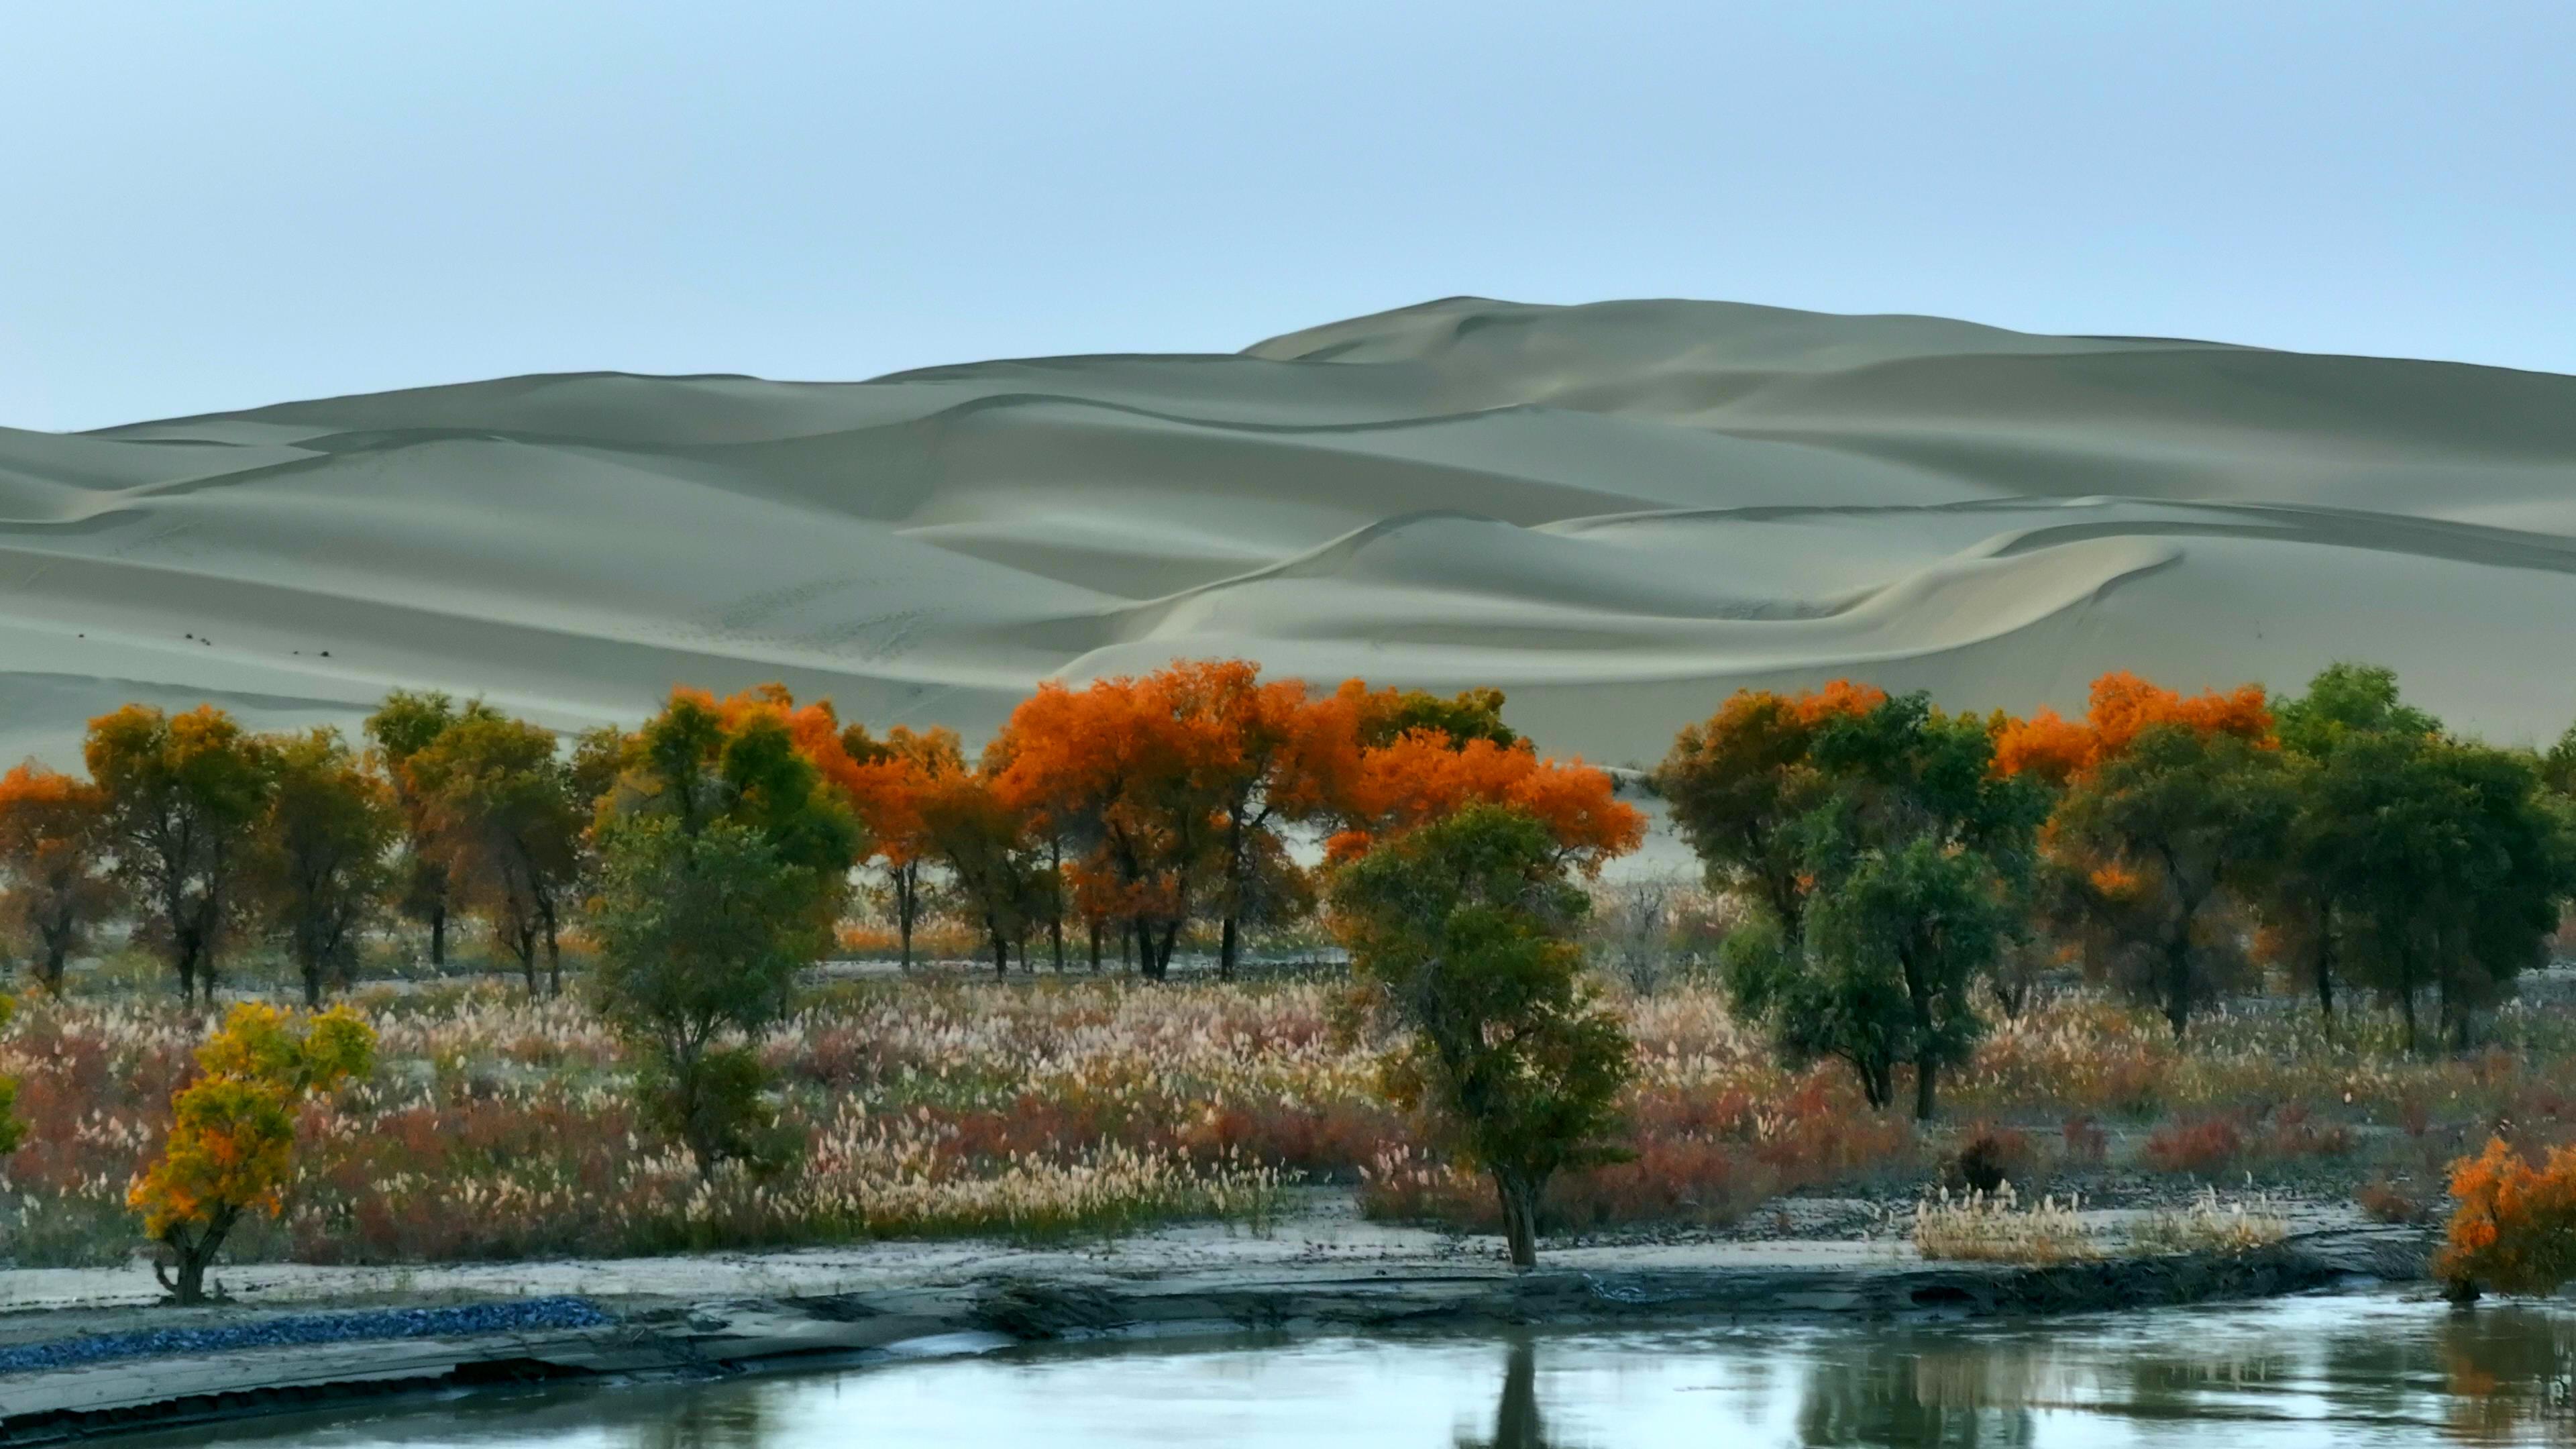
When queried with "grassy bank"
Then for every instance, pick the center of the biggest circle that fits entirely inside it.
(497, 1128)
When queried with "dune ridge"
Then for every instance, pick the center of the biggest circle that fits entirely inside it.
(1616, 512)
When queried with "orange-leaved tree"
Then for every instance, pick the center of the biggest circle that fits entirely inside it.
(892, 776)
(1136, 786)
(2514, 1230)
(1739, 782)
(1276, 755)
(231, 1150)
(998, 882)
(54, 884)
(1424, 777)
(2174, 814)
(2123, 707)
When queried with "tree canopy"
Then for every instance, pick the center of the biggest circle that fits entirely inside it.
(1459, 934)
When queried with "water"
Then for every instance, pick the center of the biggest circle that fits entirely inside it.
(2358, 1370)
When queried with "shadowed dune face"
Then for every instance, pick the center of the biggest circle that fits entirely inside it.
(1618, 513)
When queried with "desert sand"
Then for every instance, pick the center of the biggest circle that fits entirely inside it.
(1616, 512)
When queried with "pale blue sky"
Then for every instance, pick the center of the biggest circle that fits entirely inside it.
(209, 206)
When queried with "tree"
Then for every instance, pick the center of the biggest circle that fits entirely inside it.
(402, 727)
(1740, 784)
(54, 883)
(319, 866)
(1136, 788)
(1460, 937)
(1914, 853)
(756, 760)
(894, 773)
(702, 934)
(2175, 814)
(12, 1131)
(2182, 827)
(1425, 777)
(183, 796)
(1389, 715)
(505, 824)
(1276, 756)
(971, 829)
(231, 1148)
(2310, 901)
(2445, 865)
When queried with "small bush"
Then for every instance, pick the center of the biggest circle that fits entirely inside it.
(2201, 1146)
(2382, 1202)
(2514, 1230)
(1991, 1157)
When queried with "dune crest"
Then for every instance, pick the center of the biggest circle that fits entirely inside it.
(1616, 512)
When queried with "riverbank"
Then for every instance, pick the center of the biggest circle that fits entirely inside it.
(1325, 1270)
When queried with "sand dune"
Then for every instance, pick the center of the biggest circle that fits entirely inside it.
(1617, 512)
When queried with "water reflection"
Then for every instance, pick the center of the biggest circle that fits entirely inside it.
(1516, 1424)
(2367, 1369)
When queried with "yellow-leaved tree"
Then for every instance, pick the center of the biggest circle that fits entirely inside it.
(232, 1144)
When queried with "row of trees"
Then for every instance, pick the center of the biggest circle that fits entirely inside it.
(1900, 856)
(1131, 808)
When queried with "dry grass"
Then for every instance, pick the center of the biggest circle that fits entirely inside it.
(500, 1129)
(2209, 1226)
(1982, 1227)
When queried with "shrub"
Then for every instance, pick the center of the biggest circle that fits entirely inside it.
(2514, 1230)
(2381, 1201)
(1991, 1157)
(2199, 1146)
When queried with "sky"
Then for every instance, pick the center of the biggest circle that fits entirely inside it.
(206, 207)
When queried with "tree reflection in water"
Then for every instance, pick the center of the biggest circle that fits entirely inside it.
(1516, 1424)
(1926, 1390)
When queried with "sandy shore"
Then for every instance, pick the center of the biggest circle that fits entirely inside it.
(1323, 1270)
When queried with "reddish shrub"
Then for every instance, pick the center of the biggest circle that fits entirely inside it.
(2201, 1146)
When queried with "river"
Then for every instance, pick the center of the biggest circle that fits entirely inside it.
(2343, 1370)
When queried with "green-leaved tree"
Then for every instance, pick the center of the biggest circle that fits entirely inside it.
(1460, 936)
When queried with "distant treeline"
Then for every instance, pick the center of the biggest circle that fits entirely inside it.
(1898, 859)
(1129, 806)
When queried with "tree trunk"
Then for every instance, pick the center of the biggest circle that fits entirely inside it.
(50, 973)
(1926, 1076)
(906, 904)
(1055, 899)
(1095, 945)
(312, 968)
(554, 959)
(1520, 1217)
(2325, 967)
(438, 935)
(2178, 985)
(1001, 951)
(2406, 1009)
(195, 1256)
